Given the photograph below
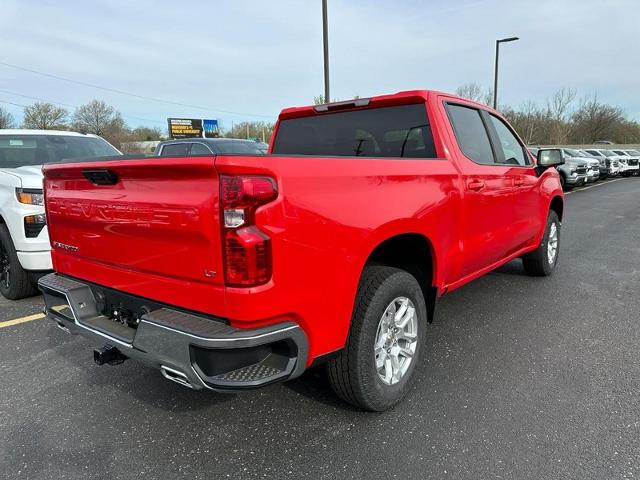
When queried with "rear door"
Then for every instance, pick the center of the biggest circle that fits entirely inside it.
(489, 190)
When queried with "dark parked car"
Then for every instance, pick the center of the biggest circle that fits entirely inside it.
(573, 172)
(186, 147)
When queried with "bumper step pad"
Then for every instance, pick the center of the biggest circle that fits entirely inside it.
(250, 373)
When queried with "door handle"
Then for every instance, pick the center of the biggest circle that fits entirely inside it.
(475, 185)
(518, 181)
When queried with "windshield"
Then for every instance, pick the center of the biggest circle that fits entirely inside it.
(572, 153)
(633, 152)
(621, 152)
(23, 150)
(608, 153)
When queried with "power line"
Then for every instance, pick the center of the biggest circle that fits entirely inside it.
(38, 98)
(11, 103)
(121, 92)
(75, 106)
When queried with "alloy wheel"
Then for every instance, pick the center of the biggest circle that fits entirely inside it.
(396, 340)
(552, 244)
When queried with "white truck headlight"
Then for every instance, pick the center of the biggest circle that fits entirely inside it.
(30, 196)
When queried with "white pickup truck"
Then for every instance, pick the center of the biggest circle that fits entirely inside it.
(24, 242)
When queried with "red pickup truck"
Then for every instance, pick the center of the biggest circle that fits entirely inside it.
(228, 272)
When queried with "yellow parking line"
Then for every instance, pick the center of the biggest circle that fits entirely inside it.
(18, 321)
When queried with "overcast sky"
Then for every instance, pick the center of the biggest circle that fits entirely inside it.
(256, 57)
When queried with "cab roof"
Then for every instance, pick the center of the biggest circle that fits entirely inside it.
(399, 98)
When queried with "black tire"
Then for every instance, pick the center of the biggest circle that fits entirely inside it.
(15, 282)
(353, 373)
(537, 263)
(563, 184)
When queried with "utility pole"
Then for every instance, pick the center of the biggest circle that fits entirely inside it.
(325, 41)
(495, 73)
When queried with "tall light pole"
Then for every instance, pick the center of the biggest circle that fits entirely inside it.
(495, 75)
(325, 41)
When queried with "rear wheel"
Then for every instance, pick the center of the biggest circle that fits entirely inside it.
(15, 282)
(375, 369)
(543, 260)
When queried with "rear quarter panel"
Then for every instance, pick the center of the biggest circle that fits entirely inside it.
(330, 215)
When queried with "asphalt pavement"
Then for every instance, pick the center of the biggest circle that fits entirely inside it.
(524, 378)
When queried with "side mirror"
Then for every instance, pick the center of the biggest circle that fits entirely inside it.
(550, 157)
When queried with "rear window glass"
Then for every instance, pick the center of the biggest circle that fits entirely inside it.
(23, 150)
(401, 131)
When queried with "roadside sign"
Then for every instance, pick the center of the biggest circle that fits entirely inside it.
(210, 128)
(192, 127)
(185, 127)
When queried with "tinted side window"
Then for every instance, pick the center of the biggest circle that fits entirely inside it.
(511, 147)
(175, 150)
(398, 131)
(199, 149)
(471, 134)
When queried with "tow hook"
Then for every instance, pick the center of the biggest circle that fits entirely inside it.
(108, 354)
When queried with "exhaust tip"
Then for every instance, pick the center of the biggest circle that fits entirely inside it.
(61, 326)
(175, 376)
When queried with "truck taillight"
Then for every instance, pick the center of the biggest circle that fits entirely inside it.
(247, 250)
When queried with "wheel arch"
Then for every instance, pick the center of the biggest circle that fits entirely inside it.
(413, 252)
(557, 205)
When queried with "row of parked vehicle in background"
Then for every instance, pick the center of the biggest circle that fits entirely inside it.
(24, 242)
(584, 166)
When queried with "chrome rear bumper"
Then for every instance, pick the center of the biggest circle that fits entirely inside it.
(189, 349)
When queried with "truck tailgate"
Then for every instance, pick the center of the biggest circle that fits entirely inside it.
(149, 227)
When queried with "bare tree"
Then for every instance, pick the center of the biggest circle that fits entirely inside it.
(251, 130)
(596, 121)
(558, 123)
(558, 112)
(98, 118)
(145, 134)
(44, 116)
(6, 119)
(475, 92)
(531, 122)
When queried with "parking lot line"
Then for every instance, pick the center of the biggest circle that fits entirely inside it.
(18, 321)
(605, 182)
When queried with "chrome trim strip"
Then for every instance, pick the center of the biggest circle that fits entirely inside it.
(76, 322)
(224, 340)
